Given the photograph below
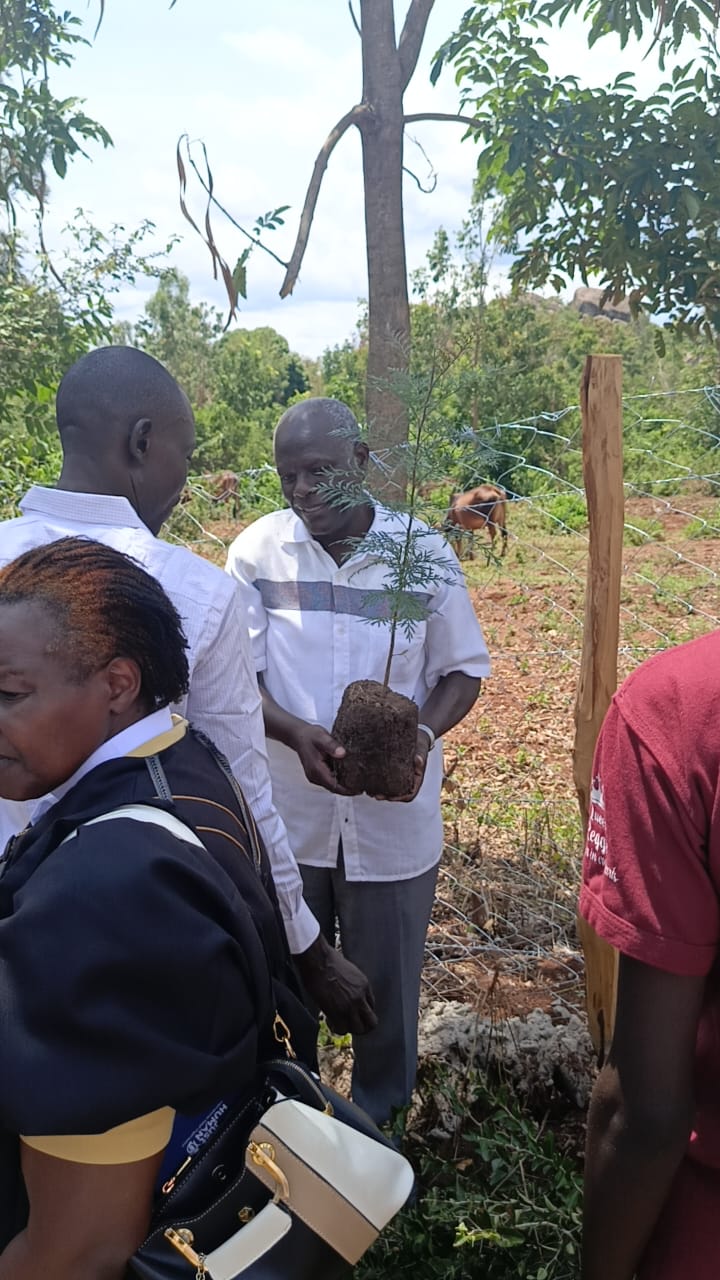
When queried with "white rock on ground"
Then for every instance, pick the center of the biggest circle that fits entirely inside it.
(532, 1053)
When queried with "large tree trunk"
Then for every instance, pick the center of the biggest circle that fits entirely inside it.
(381, 129)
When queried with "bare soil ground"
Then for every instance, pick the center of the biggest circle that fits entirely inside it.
(510, 808)
(503, 936)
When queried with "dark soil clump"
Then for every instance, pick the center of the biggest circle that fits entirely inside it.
(378, 729)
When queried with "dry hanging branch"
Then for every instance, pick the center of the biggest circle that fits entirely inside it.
(313, 191)
(219, 263)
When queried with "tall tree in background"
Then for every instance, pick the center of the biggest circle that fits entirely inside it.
(388, 64)
(601, 182)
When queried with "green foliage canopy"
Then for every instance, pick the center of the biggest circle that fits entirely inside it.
(36, 128)
(599, 182)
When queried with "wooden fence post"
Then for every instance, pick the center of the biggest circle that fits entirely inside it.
(601, 403)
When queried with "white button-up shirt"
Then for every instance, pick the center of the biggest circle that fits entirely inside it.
(224, 699)
(312, 634)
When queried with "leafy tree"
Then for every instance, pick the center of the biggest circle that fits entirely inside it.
(180, 334)
(227, 441)
(46, 323)
(343, 371)
(36, 128)
(512, 364)
(599, 182)
(256, 370)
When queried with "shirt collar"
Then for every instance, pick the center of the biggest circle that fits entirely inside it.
(95, 508)
(122, 744)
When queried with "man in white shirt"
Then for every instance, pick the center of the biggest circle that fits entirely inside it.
(309, 591)
(127, 434)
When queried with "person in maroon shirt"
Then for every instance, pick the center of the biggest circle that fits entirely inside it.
(651, 888)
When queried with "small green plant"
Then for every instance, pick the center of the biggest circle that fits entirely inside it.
(499, 1198)
(327, 1039)
(565, 513)
(700, 528)
(638, 532)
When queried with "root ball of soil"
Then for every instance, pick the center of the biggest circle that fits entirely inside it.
(378, 729)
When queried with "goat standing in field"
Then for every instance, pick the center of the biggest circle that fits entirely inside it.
(481, 508)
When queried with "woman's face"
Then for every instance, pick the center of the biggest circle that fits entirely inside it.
(48, 724)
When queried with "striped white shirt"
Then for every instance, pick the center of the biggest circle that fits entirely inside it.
(312, 629)
(224, 700)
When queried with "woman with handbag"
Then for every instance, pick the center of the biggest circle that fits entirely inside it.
(143, 973)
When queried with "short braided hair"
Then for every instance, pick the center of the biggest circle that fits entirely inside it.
(105, 606)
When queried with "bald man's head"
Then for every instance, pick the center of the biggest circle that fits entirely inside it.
(318, 417)
(318, 454)
(112, 387)
(127, 428)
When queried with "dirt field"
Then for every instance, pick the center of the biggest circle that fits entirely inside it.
(511, 813)
(503, 935)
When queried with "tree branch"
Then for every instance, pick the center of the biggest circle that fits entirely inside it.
(313, 191)
(355, 22)
(427, 191)
(411, 38)
(442, 115)
(432, 177)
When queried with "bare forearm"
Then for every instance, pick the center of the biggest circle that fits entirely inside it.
(20, 1261)
(280, 725)
(449, 702)
(630, 1166)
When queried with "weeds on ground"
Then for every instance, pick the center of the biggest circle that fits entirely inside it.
(499, 1191)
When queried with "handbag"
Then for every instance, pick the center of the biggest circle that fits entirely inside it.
(294, 1183)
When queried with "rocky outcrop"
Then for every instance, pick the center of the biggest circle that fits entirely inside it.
(588, 303)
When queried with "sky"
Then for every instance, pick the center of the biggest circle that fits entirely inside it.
(262, 85)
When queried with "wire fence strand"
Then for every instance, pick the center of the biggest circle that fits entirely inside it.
(503, 929)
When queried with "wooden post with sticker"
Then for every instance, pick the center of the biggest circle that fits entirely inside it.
(601, 404)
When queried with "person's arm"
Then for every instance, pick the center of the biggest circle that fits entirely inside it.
(224, 701)
(85, 1220)
(640, 1116)
(336, 985)
(314, 746)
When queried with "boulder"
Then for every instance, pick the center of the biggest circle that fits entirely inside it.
(589, 303)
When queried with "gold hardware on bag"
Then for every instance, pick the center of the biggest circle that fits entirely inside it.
(182, 1240)
(168, 1186)
(246, 1214)
(263, 1154)
(281, 1031)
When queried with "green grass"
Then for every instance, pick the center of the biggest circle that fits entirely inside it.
(499, 1195)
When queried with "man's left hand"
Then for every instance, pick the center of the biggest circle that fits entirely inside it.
(337, 987)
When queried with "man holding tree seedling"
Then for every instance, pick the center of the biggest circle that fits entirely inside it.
(313, 580)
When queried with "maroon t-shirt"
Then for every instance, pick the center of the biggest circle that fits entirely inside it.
(651, 871)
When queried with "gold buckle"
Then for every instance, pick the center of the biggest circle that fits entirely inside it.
(263, 1154)
(183, 1240)
(281, 1031)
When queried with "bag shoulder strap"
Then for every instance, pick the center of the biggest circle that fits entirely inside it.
(144, 813)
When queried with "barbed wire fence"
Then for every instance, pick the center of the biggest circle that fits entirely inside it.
(503, 934)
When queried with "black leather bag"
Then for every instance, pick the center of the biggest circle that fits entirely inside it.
(219, 1218)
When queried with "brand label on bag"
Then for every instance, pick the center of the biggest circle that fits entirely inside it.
(190, 1134)
(205, 1130)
